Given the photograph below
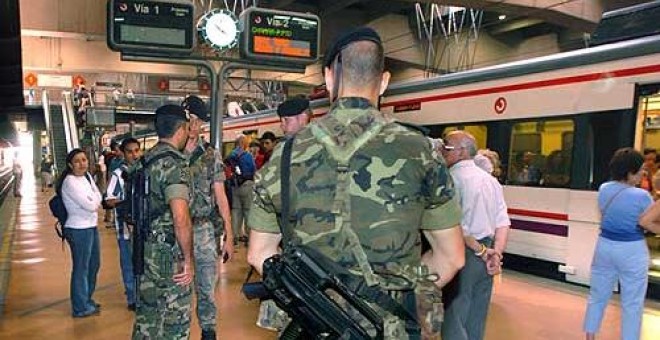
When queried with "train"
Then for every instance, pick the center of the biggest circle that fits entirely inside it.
(555, 121)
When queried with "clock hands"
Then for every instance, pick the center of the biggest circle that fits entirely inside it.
(220, 28)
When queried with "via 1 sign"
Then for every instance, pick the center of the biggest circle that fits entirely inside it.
(150, 26)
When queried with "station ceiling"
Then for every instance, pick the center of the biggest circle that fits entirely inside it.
(525, 16)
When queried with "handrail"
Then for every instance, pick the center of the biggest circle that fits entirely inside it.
(69, 119)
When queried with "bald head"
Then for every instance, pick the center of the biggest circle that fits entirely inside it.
(461, 145)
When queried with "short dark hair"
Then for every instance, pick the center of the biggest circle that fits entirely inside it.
(649, 151)
(113, 145)
(127, 141)
(167, 125)
(363, 63)
(625, 161)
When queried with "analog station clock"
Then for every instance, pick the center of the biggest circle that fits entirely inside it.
(219, 28)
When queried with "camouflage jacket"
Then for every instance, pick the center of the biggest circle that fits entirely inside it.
(205, 169)
(396, 188)
(169, 179)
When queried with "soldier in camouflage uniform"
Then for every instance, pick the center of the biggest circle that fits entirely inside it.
(356, 174)
(207, 175)
(165, 295)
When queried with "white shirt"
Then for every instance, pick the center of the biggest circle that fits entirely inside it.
(82, 200)
(115, 188)
(482, 200)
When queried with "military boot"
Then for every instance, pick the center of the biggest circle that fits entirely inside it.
(208, 335)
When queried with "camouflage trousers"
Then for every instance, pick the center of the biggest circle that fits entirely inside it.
(164, 308)
(206, 256)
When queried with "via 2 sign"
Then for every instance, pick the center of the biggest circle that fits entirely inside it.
(500, 105)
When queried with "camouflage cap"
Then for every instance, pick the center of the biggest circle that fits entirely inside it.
(359, 34)
(293, 107)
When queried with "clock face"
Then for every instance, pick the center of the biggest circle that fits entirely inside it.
(220, 29)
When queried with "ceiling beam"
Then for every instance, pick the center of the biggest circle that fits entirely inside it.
(514, 25)
(330, 7)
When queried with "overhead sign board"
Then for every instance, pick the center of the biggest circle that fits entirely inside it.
(279, 36)
(150, 26)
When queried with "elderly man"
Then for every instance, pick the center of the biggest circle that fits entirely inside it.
(485, 226)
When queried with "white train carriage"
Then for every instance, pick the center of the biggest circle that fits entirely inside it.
(555, 121)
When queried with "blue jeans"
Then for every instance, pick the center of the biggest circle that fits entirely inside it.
(125, 259)
(86, 258)
(627, 263)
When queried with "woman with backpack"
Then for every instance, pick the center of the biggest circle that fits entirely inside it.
(82, 200)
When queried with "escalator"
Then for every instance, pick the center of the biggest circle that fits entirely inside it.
(61, 127)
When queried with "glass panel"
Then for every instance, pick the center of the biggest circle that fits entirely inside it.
(650, 113)
(540, 153)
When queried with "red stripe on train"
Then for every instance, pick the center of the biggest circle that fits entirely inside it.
(541, 214)
(532, 85)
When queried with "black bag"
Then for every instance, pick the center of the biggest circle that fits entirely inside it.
(58, 210)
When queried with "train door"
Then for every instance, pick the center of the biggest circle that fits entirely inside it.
(648, 140)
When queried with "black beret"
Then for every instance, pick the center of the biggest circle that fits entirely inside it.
(359, 34)
(196, 106)
(293, 107)
(173, 112)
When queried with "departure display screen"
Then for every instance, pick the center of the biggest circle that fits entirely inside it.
(271, 35)
(153, 35)
(152, 26)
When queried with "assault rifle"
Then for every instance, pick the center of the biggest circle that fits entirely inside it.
(313, 291)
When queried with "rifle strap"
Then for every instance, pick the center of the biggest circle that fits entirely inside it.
(285, 180)
(342, 211)
(342, 200)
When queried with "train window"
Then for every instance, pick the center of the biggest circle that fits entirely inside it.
(541, 153)
(480, 133)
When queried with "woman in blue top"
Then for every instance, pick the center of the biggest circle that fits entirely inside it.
(621, 253)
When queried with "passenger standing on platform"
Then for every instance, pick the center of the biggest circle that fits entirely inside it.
(115, 196)
(621, 253)
(485, 226)
(242, 185)
(17, 171)
(82, 200)
(210, 216)
(46, 173)
(268, 142)
(165, 296)
(390, 188)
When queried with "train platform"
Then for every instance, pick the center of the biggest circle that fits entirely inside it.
(36, 296)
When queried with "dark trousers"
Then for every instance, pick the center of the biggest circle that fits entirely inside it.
(466, 299)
